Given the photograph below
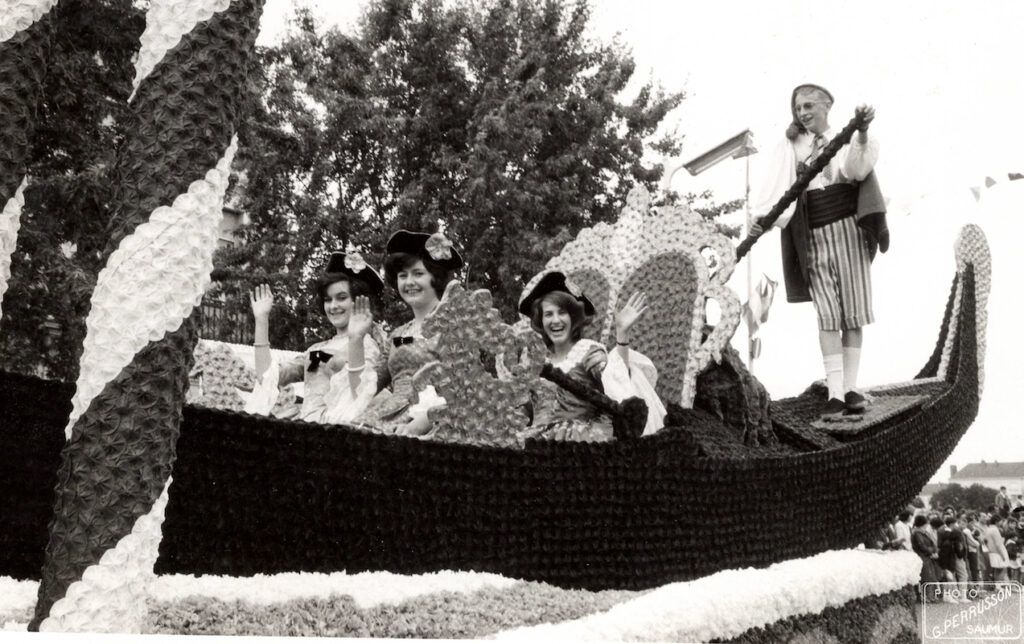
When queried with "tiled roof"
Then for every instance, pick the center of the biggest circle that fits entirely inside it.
(990, 471)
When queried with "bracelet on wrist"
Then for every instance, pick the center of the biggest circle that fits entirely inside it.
(355, 369)
(261, 344)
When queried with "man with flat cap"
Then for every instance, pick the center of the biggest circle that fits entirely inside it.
(829, 236)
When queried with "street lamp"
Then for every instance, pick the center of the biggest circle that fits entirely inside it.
(740, 146)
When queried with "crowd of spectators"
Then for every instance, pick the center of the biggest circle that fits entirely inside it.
(960, 546)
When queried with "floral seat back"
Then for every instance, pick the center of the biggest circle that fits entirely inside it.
(662, 253)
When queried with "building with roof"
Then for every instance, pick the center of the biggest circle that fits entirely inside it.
(993, 475)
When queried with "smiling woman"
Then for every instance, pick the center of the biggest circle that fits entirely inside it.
(559, 311)
(339, 374)
(418, 266)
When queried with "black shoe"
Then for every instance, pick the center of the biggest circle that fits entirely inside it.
(833, 409)
(855, 403)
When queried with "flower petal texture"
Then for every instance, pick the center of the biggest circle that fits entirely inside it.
(171, 172)
(107, 598)
(19, 15)
(151, 283)
(166, 22)
(10, 222)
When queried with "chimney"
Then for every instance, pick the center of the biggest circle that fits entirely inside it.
(952, 471)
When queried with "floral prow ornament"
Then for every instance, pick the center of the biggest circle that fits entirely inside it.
(126, 413)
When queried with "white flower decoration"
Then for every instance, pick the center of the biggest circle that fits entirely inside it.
(438, 247)
(355, 262)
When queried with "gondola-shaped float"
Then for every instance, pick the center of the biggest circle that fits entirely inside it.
(254, 494)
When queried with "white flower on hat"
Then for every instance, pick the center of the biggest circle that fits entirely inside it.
(438, 247)
(355, 262)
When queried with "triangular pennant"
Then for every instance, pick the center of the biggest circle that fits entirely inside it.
(989, 182)
(977, 193)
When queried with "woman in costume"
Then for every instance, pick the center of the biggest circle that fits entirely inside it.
(559, 311)
(339, 374)
(419, 267)
(997, 555)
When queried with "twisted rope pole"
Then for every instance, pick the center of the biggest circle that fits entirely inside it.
(802, 180)
(170, 177)
(26, 27)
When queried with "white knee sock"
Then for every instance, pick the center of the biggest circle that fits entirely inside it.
(851, 364)
(834, 375)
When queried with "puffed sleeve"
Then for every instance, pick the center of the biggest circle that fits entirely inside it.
(383, 373)
(637, 380)
(860, 158)
(294, 370)
(344, 404)
(779, 172)
(267, 389)
(594, 361)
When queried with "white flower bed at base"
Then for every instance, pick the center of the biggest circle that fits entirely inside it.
(367, 589)
(723, 605)
(726, 604)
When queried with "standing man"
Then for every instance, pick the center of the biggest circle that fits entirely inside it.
(829, 236)
(1003, 502)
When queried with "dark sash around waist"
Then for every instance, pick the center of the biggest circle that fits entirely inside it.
(831, 204)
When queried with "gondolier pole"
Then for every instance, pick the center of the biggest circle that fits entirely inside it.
(802, 180)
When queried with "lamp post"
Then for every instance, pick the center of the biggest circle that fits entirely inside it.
(740, 146)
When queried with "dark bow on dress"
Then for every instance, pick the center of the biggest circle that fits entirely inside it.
(317, 357)
(399, 341)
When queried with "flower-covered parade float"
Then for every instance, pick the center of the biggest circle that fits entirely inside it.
(137, 511)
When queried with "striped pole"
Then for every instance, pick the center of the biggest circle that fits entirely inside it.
(25, 28)
(170, 177)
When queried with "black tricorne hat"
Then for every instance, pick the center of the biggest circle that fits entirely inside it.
(551, 282)
(437, 247)
(353, 265)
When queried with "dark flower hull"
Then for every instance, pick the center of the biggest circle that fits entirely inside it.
(257, 495)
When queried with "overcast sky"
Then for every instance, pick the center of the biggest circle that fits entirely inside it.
(945, 80)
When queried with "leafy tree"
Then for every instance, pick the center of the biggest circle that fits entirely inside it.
(54, 266)
(500, 118)
(975, 497)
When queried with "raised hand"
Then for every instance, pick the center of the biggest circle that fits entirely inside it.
(262, 300)
(756, 229)
(361, 318)
(867, 113)
(628, 315)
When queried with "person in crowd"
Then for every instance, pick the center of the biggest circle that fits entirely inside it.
(926, 547)
(829, 236)
(953, 555)
(418, 266)
(902, 529)
(945, 549)
(338, 373)
(983, 561)
(1012, 553)
(997, 555)
(559, 311)
(971, 534)
(1002, 502)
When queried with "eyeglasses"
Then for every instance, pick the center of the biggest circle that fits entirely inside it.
(808, 105)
